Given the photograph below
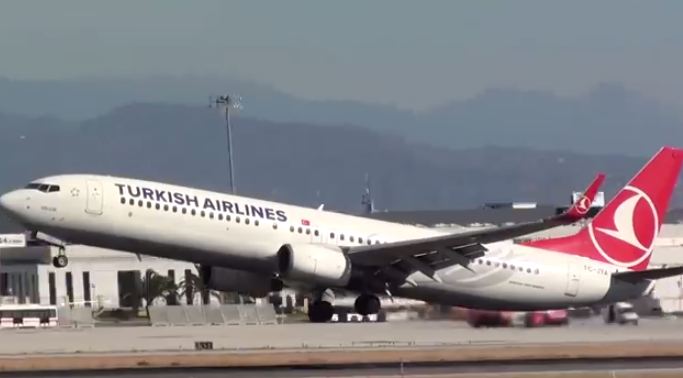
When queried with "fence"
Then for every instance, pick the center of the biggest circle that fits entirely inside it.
(75, 317)
(234, 314)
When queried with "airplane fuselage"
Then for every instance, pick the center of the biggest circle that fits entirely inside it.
(235, 232)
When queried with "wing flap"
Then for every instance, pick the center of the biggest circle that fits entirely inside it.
(649, 274)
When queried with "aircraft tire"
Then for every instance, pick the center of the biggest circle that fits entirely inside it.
(60, 261)
(320, 312)
(367, 304)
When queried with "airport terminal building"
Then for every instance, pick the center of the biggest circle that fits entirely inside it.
(111, 279)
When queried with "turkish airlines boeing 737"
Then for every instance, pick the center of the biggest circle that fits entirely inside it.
(253, 246)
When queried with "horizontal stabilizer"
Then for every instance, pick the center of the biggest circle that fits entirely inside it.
(649, 274)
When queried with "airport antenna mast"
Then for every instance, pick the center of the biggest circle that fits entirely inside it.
(228, 104)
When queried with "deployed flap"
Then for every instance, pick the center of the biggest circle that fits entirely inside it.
(649, 274)
(381, 253)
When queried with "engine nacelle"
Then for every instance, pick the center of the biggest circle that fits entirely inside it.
(315, 264)
(240, 281)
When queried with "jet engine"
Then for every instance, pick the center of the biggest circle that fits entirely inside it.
(320, 265)
(234, 280)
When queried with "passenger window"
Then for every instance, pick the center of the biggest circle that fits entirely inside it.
(351, 238)
(237, 219)
(202, 214)
(246, 220)
(341, 237)
(512, 267)
(220, 216)
(141, 203)
(536, 271)
(488, 262)
(210, 215)
(53, 188)
(157, 206)
(316, 233)
(300, 230)
(227, 217)
(123, 201)
(369, 241)
(149, 205)
(376, 241)
(131, 202)
(360, 240)
(193, 212)
(291, 228)
(331, 235)
(256, 222)
(175, 209)
(274, 226)
(184, 210)
(165, 207)
(528, 270)
(308, 231)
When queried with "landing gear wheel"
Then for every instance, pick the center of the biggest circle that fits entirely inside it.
(60, 261)
(367, 304)
(320, 312)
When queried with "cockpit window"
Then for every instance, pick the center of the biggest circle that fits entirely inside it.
(41, 187)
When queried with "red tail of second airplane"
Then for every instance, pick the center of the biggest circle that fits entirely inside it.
(624, 232)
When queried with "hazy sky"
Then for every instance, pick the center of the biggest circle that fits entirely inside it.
(413, 54)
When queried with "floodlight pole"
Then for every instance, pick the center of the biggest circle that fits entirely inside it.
(228, 126)
(227, 103)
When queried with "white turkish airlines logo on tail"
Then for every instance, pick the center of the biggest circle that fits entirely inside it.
(632, 238)
(583, 205)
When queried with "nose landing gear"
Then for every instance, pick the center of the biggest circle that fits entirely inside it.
(60, 261)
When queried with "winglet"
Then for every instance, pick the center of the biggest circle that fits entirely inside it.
(580, 208)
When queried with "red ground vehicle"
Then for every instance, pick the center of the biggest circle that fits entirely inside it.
(482, 318)
(546, 318)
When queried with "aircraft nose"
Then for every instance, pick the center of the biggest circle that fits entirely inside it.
(10, 202)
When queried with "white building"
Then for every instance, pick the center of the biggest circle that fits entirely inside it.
(102, 276)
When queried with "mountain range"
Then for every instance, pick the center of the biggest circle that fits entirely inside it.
(609, 119)
(299, 162)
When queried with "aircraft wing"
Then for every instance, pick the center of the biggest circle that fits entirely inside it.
(648, 274)
(429, 254)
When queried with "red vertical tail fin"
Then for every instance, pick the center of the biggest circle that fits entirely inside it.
(624, 232)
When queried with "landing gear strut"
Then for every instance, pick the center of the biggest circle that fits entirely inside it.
(367, 304)
(60, 261)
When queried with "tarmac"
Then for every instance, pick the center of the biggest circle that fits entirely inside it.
(347, 336)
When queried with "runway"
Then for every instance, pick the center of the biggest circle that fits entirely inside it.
(322, 336)
(649, 366)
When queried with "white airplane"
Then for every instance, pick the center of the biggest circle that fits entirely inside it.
(254, 246)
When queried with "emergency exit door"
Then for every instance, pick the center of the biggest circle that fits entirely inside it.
(573, 280)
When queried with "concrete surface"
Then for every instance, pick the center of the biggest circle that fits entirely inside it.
(341, 335)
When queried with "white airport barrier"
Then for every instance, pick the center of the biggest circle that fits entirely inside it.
(233, 314)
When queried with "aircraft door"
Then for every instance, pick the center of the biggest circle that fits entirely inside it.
(95, 201)
(573, 280)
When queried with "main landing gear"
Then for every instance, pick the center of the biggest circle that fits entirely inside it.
(367, 304)
(322, 309)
